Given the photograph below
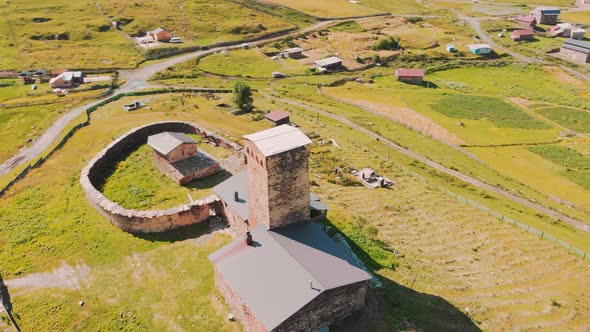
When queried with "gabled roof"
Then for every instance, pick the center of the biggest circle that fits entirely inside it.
(276, 116)
(576, 45)
(328, 61)
(409, 72)
(525, 18)
(548, 10)
(278, 139)
(293, 50)
(476, 46)
(285, 269)
(158, 30)
(226, 191)
(316, 204)
(167, 141)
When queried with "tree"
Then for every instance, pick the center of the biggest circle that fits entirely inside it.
(243, 96)
(388, 43)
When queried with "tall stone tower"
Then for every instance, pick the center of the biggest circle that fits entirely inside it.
(278, 179)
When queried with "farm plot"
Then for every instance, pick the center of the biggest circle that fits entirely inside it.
(575, 166)
(328, 8)
(540, 173)
(571, 118)
(204, 21)
(9, 57)
(46, 35)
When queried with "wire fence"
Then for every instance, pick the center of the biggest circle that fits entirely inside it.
(532, 230)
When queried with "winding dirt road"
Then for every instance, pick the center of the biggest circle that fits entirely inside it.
(570, 221)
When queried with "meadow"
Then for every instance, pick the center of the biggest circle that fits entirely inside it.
(203, 22)
(577, 166)
(327, 9)
(86, 42)
(571, 118)
(151, 283)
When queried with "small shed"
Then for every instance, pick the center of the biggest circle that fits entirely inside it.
(451, 48)
(576, 50)
(480, 49)
(40, 72)
(160, 34)
(546, 15)
(330, 63)
(173, 146)
(278, 117)
(67, 79)
(522, 34)
(293, 53)
(413, 76)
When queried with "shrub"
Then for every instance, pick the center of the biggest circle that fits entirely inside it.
(388, 43)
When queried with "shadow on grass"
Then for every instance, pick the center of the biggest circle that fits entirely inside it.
(397, 307)
(7, 303)
(182, 233)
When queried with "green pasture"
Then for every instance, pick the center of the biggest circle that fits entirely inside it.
(204, 22)
(252, 63)
(575, 166)
(328, 8)
(571, 118)
(88, 41)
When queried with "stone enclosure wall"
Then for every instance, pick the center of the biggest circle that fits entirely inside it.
(150, 221)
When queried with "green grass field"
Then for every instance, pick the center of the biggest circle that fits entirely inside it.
(577, 166)
(137, 183)
(328, 8)
(204, 22)
(90, 43)
(570, 118)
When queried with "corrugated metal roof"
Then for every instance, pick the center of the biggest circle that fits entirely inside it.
(409, 72)
(522, 32)
(293, 50)
(316, 204)
(167, 141)
(548, 10)
(158, 30)
(278, 139)
(477, 46)
(273, 277)
(328, 61)
(226, 191)
(578, 43)
(276, 115)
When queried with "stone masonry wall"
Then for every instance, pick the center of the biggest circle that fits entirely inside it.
(257, 185)
(150, 221)
(329, 307)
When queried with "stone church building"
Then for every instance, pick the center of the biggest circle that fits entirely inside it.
(286, 274)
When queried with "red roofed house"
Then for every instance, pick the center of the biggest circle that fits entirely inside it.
(413, 76)
(160, 34)
(278, 117)
(523, 34)
(526, 20)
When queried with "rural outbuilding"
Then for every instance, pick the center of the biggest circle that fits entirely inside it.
(413, 76)
(480, 49)
(567, 30)
(451, 48)
(576, 50)
(546, 15)
(67, 79)
(293, 53)
(160, 34)
(278, 117)
(526, 21)
(331, 63)
(522, 34)
(177, 156)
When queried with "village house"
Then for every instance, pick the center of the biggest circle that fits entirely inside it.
(286, 274)
(526, 21)
(480, 49)
(293, 53)
(177, 156)
(451, 48)
(546, 15)
(27, 76)
(413, 76)
(567, 30)
(160, 34)
(522, 34)
(576, 50)
(278, 117)
(67, 79)
(331, 63)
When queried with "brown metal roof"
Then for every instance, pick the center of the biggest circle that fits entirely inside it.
(167, 141)
(276, 116)
(409, 72)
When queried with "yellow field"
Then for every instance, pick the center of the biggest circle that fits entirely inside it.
(327, 8)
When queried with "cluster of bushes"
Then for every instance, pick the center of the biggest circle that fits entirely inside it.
(51, 36)
(247, 30)
(389, 43)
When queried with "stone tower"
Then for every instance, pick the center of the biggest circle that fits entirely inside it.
(278, 179)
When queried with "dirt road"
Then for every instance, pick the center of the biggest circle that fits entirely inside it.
(570, 221)
(136, 79)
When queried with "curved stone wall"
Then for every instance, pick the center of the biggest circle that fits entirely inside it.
(150, 221)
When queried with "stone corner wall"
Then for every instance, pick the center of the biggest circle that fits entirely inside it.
(148, 221)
